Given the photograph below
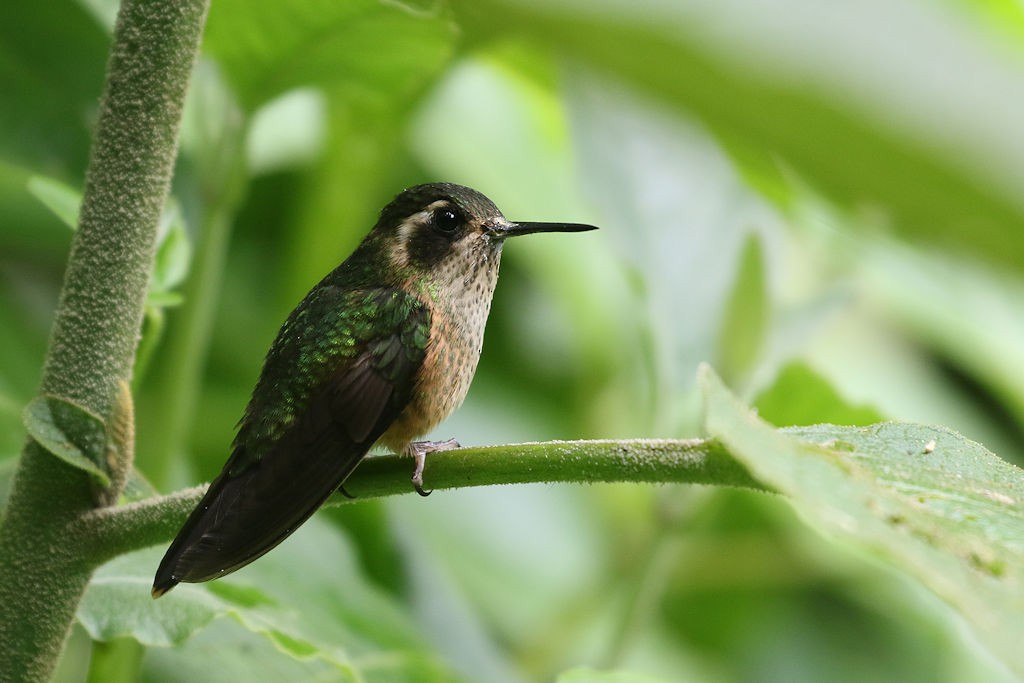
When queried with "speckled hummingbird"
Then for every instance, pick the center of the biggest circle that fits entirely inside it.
(378, 353)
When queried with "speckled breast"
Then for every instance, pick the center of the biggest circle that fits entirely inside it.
(458, 317)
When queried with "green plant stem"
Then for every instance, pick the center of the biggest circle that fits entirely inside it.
(115, 531)
(43, 569)
(687, 461)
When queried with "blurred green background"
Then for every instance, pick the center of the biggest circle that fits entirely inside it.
(823, 200)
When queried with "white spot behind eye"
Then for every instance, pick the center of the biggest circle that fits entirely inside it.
(404, 234)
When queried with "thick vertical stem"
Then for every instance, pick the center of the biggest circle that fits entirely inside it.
(100, 312)
(43, 571)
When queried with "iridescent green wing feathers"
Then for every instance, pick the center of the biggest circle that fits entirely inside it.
(340, 372)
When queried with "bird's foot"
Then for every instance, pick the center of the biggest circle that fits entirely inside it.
(342, 491)
(419, 451)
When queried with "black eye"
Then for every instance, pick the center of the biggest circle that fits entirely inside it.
(447, 221)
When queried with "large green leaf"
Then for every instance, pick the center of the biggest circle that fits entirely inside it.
(367, 47)
(227, 652)
(331, 615)
(925, 499)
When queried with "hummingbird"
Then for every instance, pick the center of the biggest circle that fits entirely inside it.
(378, 353)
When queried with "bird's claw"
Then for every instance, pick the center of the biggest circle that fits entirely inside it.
(419, 451)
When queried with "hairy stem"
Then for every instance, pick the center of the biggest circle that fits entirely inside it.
(115, 531)
(43, 566)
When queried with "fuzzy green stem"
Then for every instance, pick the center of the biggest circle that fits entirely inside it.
(685, 461)
(115, 531)
(43, 566)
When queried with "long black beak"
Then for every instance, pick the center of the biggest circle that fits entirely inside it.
(505, 230)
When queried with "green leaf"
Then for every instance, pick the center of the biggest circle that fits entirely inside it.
(60, 198)
(70, 432)
(332, 615)
(173, 255)
(746, 314)
(118, 604)
(227, 652)
(800, 396)
(152, 330)
(363, 47)
(925, 499)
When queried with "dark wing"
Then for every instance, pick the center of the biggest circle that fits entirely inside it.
(362, 371)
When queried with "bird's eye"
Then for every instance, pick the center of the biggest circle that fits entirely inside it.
(446, 220)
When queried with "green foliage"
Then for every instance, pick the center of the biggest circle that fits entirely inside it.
(337, 46)
(91, 352)
(800, 396)
(58, 197)
(790, 200)
(920, 185)
(69, 432)
(939, 506)
(746, 314)
(333, 616)
(173, 253)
